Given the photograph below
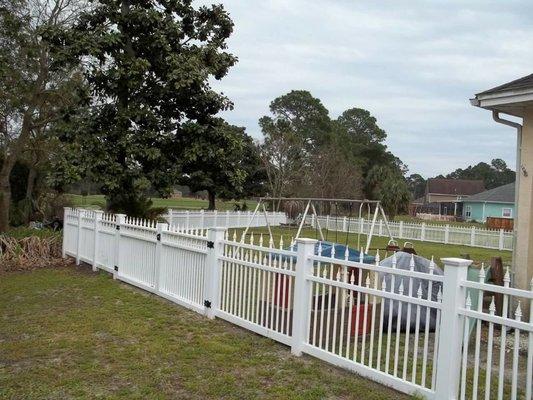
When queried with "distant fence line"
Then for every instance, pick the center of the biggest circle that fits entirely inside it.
(223, 219)
(424, 232)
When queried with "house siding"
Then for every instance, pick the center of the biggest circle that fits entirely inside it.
(491, 210)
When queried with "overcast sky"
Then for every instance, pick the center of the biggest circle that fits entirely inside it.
(412, 64)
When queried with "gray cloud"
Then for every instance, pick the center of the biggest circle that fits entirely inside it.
(413, 64)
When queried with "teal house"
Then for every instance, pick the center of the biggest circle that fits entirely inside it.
(497, 202)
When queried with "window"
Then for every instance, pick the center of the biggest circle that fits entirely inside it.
(468, 211)
(507, 212)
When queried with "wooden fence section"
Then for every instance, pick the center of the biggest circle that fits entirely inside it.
(418, 330)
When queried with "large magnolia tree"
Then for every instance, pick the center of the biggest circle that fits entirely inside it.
(148, 64)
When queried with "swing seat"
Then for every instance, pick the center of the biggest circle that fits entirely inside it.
(340, 252)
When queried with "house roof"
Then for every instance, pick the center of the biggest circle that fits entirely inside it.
(512, 97)
(501, 194)
(526, 82)
(456, 187)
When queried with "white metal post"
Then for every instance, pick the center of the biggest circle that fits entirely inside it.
(215, 236)
(64, 244)
(81, 213)
(170, 218)
(97, 218)
(159, 228)
(119, 222)
(451, 328)
(302, 289)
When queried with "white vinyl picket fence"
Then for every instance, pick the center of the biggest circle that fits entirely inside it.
(225, 219)
(437, 233)
(345, 312)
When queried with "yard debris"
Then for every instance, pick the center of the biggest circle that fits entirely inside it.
(29, 252)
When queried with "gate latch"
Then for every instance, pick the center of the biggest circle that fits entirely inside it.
(210, 244)
(207, 304)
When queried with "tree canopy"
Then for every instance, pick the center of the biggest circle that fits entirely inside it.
(307, 153)
(148, 65)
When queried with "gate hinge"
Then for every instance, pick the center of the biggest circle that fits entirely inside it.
(158, 237)
(118, 227)
(116, 268)
(207, 304)
(210, 244)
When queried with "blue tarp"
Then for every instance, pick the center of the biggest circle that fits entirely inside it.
(340, 249)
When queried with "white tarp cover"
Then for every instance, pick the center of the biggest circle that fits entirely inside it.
(421, 264)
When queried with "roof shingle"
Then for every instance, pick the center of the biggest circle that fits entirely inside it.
(526, 82)
(501, 194)
(459, 187)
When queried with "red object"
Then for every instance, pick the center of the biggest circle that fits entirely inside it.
(360, 329)
(281, 293)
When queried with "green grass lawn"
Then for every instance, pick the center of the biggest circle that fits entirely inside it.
(184, 203)
(425, 249)
(71, 333)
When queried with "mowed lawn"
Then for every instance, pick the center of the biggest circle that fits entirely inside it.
(71, 333)
(183, 203)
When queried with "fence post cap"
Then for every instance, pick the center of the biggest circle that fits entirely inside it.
(456, 262)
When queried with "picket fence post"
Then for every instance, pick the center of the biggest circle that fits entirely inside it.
(202, 219)
(447, 234)
(451, 328)
(119, 222)
(302, 290)
(344, 225)
(187, 220)
(66, 212)
(81, 213)
(97, 218)
(500, 241)
(215, 236)
(159, 228)
(473, 236)
(423, 231)
(400, 231)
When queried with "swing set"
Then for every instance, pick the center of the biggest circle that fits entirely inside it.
(300, 209)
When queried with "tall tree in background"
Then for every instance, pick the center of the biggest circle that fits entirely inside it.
(148, 65)
(220, 159)
(364, 139)
(389, 187)
(417, 185)
(36, 90)
(493, 175)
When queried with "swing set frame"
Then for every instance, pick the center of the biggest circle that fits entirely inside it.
(310, 209)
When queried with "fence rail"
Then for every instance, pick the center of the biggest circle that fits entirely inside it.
(437, 233)
(420, 330)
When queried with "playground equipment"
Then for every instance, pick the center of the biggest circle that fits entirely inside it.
(300, 209)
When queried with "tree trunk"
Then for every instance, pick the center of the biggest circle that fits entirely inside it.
(211, 197)
(5, 195)
(30, 184)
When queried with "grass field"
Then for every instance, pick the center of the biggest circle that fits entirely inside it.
(184, 203)
(71, 333)
(425, 249)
